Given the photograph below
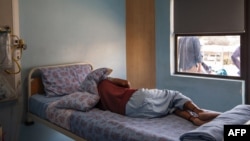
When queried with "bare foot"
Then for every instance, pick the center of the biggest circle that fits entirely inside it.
(196, 121)
(206, 115)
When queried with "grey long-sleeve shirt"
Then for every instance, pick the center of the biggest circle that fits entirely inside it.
(189, 52)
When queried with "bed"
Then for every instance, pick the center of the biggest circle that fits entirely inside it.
(88, 123)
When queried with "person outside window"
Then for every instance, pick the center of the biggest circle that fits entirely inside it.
(236, 58)
(190, 57)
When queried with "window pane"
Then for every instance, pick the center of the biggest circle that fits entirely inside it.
(213, 55)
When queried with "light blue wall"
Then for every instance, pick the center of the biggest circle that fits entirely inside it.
(218, 95)
(61, 31)
(65, 31)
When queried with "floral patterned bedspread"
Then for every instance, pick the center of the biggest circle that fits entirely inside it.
(99, 125)
(59, 116)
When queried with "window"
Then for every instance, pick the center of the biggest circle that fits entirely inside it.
(215, 28)
(217, 55)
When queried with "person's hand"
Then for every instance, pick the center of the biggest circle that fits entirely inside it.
(200, 68)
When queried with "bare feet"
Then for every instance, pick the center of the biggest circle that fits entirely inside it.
(206, 115)
(196, 121)
(201, 114)
(196, 116)
(203, 117)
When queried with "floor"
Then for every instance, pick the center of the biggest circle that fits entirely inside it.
(39, 132)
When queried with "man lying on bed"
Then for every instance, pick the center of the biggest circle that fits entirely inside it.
(117, 96)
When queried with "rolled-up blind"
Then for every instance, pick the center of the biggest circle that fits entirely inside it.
(209, 16)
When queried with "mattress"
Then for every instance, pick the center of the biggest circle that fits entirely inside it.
(96, 124)
(38, 104)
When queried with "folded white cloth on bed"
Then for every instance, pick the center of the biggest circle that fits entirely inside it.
(213, 130)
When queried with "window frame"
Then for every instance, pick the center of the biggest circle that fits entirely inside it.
(242, 50)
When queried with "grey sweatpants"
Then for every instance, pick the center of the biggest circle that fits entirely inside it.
(150, 103)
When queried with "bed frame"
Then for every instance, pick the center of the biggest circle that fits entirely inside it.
(35, 86)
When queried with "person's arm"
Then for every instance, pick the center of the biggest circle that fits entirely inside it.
(235, 57)
(120, 82)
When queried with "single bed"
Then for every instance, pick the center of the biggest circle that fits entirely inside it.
(93, 124)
